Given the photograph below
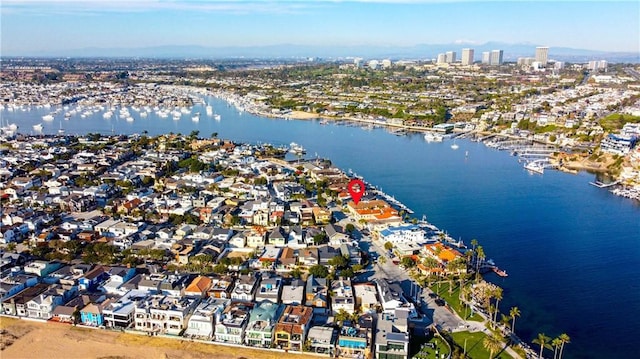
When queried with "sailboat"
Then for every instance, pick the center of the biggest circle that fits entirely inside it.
(61, 130)
(455, 145)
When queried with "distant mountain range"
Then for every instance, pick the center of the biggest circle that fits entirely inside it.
(417, 52)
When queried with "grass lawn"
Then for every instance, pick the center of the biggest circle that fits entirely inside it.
(475, 347)
(426, 351)
(454, 302)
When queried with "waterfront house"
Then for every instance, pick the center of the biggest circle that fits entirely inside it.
(355, 338)
(69, 312)
(17, 304)
(245, 288)
(92, 314)
(234, 319)
(441, 253)
(291, 330)
(342, 296)
(403, 234)
(201, 324)
(322, 340)
(262, 321)
(163, 314)
(392, 335)
(119, 313)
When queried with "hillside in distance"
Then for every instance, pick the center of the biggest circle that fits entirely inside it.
(417, 52)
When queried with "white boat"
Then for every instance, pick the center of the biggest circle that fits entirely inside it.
(534, 167)
(37, 127)
(455, 145)
(217, 117)
(433, 137)
(296, 149)
(196, 117)
(129, 119)
(143, 114)
(48, 117)
(209, 110)
(107, 114)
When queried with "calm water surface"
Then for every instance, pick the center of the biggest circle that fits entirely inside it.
(572, 251)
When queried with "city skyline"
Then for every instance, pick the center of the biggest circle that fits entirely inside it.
(43, 26)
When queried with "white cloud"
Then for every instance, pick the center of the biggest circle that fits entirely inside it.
(98, 6)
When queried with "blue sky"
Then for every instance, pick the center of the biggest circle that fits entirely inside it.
(30, 25)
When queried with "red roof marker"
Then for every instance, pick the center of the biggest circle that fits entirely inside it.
(356, 189)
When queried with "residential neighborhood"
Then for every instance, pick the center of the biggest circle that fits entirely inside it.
(198, 240)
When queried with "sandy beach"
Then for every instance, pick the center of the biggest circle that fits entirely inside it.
(27, 339)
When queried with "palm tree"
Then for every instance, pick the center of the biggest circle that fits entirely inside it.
(492, 344)
(504, 320)
(543, 341)
(497, 294)
(513, 313)
(479, 257)
(565, 340)
(556, 343)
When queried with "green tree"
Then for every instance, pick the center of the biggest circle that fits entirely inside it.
(220, 268)
(565, 340)
(342, 315)
(388, 246)
(497, 295)
(296, 273)
(556, 343)
(407, 262)
(350, 227)
(319, 238)
(319, 271)
(543, 341)
(492, 344)
(338, 261)
(513, 313)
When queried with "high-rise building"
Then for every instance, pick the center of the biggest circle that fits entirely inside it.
(602, 65)
(450, 57)
(486, 57)
(467, 56)
(542, 55)
(442, 58)
(495, 58)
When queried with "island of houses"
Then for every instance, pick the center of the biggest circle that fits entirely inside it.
(206, 240)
